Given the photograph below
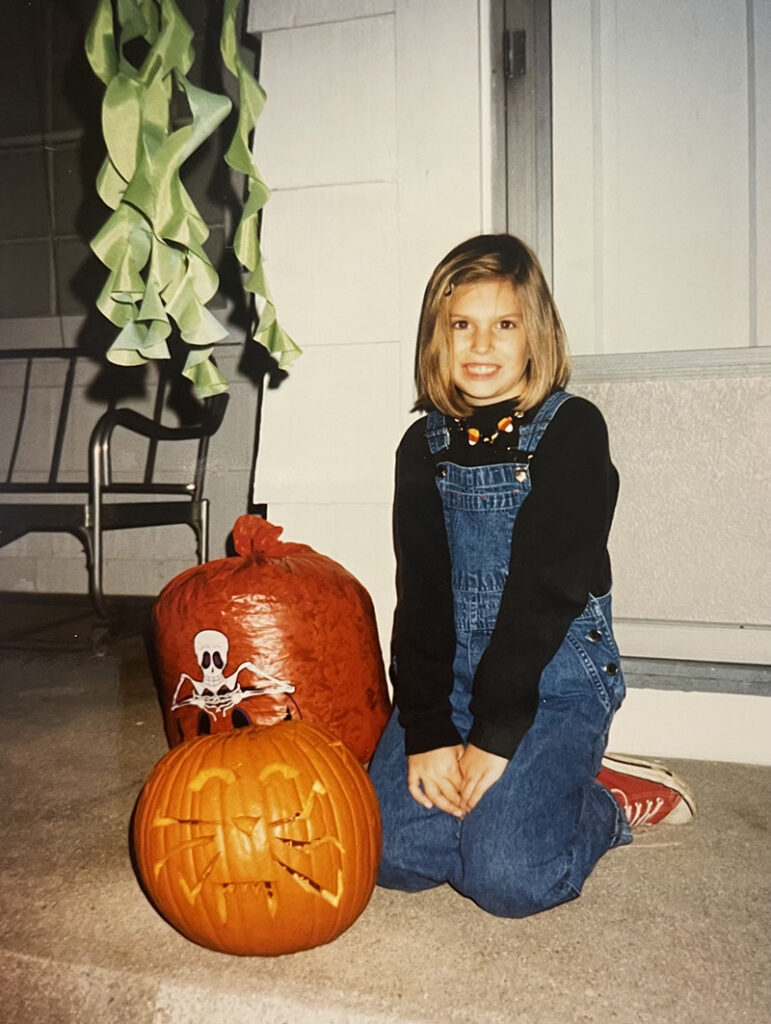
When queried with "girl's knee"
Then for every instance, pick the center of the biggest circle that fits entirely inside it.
(397, 875)
(508, 891)
(420, 846)
(414, 858)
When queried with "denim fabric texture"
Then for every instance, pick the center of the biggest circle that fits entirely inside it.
(537, 833)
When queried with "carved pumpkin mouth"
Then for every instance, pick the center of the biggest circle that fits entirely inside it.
(262, 888)
(266, 887)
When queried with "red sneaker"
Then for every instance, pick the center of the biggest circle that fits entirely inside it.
(648, 792)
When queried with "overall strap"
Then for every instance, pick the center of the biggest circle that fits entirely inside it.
(531, 434)
(437, 434)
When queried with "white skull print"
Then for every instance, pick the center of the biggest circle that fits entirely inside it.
(216, 692)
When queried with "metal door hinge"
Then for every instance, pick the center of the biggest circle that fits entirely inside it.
(514, 61)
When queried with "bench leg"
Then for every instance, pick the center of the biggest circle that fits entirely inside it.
(201, 528)
(92, 544)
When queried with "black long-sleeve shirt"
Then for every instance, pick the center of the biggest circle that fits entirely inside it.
(558, 557)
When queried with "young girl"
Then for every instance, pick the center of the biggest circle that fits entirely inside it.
(506, 675)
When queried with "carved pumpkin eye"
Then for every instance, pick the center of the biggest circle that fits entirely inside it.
(259, 841)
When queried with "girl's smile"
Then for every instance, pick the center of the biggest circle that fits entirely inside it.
(489, 344)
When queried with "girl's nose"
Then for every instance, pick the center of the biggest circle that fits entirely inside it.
(481, 340)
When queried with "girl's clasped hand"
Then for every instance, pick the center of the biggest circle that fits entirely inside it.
(454, 779)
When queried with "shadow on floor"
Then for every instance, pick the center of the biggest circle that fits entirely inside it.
(68, 622)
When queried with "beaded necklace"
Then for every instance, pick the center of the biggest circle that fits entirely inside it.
(474, 434)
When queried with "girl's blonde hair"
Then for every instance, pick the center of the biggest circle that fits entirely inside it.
(479, 259)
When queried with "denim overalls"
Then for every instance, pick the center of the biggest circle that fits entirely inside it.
(537, 833)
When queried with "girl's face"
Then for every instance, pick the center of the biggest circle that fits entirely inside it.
(489, 345)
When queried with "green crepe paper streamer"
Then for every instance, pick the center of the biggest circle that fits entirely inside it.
(246, 243)
(196, 323)
(201, 370)
(122, 123)
(156, 188)
(152, 306)
(132, 16)
(154, 314)
(123, 245)
(152, 243)
(100, 43)
(136, 344)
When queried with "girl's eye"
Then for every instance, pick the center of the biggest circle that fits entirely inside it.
(508, 325)
(459, 325)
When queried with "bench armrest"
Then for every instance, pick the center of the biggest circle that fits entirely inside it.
(214, 411)
(101, 438)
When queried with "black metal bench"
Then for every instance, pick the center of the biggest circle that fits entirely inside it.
(86, 507)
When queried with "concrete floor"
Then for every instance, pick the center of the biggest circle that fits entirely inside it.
(671, 930)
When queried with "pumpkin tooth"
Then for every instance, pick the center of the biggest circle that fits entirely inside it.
(305, 882)
(222, 906)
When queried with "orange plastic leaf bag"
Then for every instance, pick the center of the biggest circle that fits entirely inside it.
(279, 632)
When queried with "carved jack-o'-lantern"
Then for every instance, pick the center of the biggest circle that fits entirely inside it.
(277, 633)
(259, 841)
